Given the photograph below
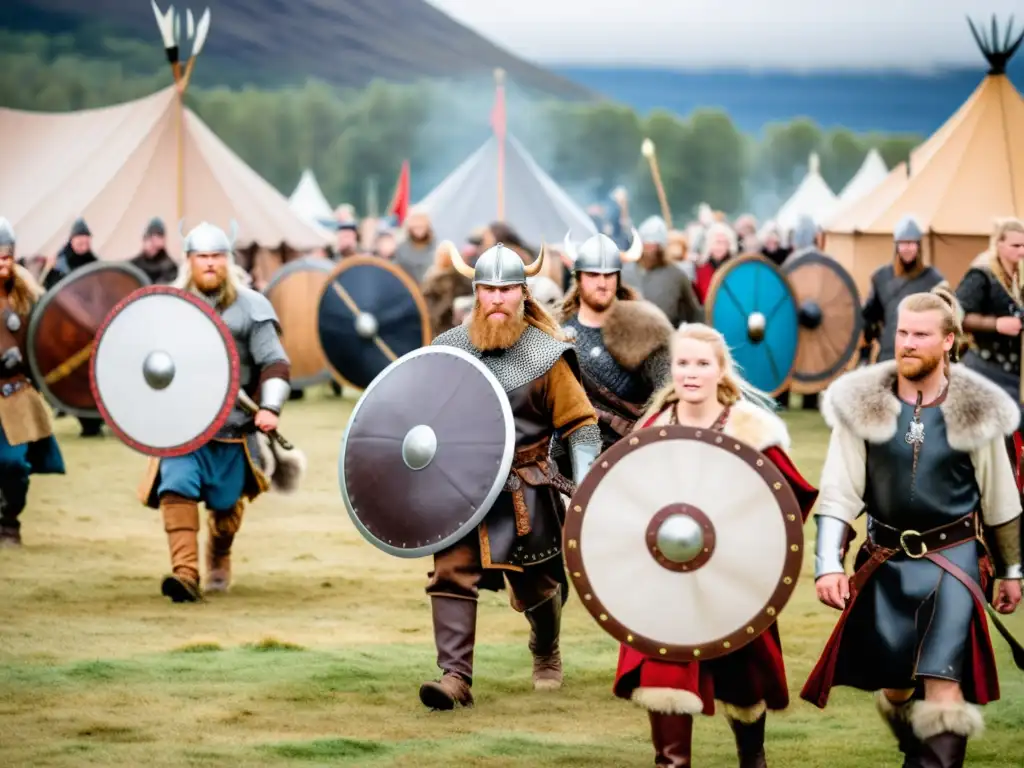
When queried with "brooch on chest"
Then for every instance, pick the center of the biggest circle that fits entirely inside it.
(915, 431)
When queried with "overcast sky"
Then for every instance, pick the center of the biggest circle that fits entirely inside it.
(750, 33)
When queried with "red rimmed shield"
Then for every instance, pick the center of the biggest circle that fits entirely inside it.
(165, 372)
(684, 543)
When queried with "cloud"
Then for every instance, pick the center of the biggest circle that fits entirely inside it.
(735, 33)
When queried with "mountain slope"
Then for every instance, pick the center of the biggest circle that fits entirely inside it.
(274, 42)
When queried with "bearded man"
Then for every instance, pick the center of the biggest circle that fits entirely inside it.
(27, 444)
(918, 444)
(659, 281)
(622, 341)
(907, 274)
(520, 538)
(235, 465)
(416, 253)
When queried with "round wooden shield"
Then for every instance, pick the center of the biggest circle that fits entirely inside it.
(370, 314)
(426, 452)
(668, 563)
(62, 331)
(165, 373)
(751, 303)
(294, 290)
(829, 314)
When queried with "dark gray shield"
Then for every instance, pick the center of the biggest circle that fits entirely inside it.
(426, 452)
(829, 312)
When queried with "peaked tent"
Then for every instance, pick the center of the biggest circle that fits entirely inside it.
(872, 172)
(309, 202)
(118, 167)
(813, 197)
(968, 173)
(535, 206)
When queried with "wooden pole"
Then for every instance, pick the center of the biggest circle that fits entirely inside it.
(499, 81)
(647, 149)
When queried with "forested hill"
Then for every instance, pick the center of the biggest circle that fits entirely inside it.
(270, 43)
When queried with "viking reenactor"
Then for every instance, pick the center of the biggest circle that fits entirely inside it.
(658, 280)
(27, 444)
(154, 259)
(719, 246)
(706, 392)
(918, 444)
(415, 254)
(442, 285)
(235, 465)
(520, 538)
(621, 340)
(892, 283)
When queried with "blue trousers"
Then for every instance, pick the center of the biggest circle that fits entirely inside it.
(17, 463)
(215, 475)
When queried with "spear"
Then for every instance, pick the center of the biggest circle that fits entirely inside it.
(647, 150)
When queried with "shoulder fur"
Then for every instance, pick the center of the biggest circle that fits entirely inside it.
(976, 411)
(32, 286)
(633, 331)
(757, 427)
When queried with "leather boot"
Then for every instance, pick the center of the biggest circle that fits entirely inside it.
(13, 495)
(897, 717)
(545, 623)
(671, 736)
(945, 750)
(221, 527)
(750, 742)
(455, 637)
(181, 522)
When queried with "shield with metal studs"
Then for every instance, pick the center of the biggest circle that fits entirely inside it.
(427, 451)
(294, 290)
(370, 314)
(751, 303)
(667, 562)
(165, 373)
(830, 319)
(63, 328)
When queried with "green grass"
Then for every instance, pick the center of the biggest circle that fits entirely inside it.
(316, 655)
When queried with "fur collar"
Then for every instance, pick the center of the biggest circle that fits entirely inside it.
(633, 331)
(976, 410)
(749, 423)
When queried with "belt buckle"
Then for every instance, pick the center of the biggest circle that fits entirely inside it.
(906, 548)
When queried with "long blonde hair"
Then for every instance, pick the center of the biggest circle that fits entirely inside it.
(1011, 283)
(732, 387)
(23, 291)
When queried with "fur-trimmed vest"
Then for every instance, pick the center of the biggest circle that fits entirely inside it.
(749, 423)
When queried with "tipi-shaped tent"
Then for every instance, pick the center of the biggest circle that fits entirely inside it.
(535, 206)
(812, 197)
(309, 202)
(118, 167)
(966, 175)
(872, 172)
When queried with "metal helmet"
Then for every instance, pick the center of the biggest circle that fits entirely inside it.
(907, 230)
(209, 238)
(600, 254)
(7, 238)
(654, 230)
(497, 266)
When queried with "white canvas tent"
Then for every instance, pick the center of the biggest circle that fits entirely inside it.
(812, 197)
(118, 167)
(309, 202)
(872, 172)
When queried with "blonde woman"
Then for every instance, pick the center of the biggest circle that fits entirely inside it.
(705, 391)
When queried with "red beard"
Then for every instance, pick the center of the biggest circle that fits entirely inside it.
(487, 334)
(918, 367)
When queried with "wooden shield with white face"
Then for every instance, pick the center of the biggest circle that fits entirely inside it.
(684, 544)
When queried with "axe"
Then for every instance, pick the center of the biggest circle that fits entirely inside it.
(249, 406)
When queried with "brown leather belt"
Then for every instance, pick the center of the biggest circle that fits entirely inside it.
(618, 424)
(917, 544)
(533, 456)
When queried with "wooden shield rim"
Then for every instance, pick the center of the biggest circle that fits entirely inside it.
(716, 282)
(348, 263)
(792, 521)
(234, 367)
(500, 478)
(40, 310)
(808, 386)
(304, 264)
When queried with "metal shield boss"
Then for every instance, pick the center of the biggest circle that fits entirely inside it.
(426, 452)
(165, 373)
(830, 319)
(62, 331)
(293, 290)
(751, 303)
(684, 543)
(370, 314)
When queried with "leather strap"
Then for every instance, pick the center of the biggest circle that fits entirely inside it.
(916, 543)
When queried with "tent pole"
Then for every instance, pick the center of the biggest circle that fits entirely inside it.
(498, 124)
(180, 121)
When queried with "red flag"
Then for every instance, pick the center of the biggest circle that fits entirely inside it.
(498, 111)
(399, 206)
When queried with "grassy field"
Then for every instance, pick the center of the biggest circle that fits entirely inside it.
(316, 655)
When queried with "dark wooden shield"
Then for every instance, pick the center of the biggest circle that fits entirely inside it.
(62, 331)
(294, 291)
(829, 313)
